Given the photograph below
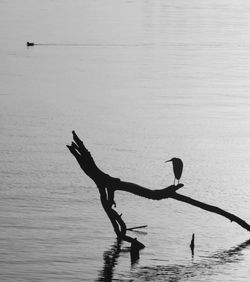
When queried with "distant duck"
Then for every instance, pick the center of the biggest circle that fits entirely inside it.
(178, 167)
(30, 44)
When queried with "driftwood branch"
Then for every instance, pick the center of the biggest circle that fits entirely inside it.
(107, 186)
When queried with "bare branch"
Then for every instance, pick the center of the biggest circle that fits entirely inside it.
(211, 208)
(107, 185)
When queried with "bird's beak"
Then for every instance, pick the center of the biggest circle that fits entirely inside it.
(167, 161)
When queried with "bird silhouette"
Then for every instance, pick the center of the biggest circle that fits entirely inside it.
(178, 167)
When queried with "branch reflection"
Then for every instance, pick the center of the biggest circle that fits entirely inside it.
(176, 272)
(206, 267)
(112, 255)
(110, 258)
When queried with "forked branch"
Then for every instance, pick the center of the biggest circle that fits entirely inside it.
(107, 186)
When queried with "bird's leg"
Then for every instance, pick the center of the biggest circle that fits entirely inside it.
(174, 181)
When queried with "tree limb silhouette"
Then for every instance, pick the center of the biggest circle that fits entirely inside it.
(107, 186)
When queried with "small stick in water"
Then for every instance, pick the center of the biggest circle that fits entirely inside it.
(136, 246)
(192, 245)
(137, 227)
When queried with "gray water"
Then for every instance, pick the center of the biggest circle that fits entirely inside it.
(140, 82)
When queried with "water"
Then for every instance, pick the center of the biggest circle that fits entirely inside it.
(140, 82)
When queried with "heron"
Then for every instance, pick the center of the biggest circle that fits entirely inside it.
(177, 166)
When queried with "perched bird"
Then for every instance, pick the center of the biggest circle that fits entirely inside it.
(177, 166)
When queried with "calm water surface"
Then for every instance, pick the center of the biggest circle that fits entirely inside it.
(140, 82)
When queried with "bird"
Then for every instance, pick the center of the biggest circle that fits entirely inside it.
(30, 44)
(178, 167)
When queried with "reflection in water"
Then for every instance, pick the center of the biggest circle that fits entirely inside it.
(110, 258)
(173, 273)
(134, 252)
(206, 267)
(231, 255)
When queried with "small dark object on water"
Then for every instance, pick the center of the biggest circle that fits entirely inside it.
(30, 44)
(192, 245)
(136, 246)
